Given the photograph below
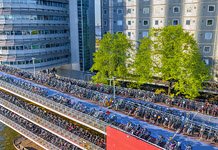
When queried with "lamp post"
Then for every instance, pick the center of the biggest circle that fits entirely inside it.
(34, 68)
(113, 78)
(110, 81)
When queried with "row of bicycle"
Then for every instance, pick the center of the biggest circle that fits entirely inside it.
(52, 80)
(70, 126)
(165, 119)
(36, 130)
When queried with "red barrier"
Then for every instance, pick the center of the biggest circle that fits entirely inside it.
(118, 140)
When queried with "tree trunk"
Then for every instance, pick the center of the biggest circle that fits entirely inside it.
(170, 87)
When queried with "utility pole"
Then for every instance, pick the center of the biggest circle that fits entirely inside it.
(34, 67)
(114, 87)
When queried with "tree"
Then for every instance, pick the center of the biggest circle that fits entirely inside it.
(110, 59)
(172, 54)
(143, 61)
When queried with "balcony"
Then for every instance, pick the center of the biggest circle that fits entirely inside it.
(44, 65)
(33, 51)
(29, 22)
(31, 6)
(32, 37)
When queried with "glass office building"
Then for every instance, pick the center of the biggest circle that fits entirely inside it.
(82, 25)
(34, 30)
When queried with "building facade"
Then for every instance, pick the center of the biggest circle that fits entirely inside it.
(82, 31)
(34, 33)
(136, 17)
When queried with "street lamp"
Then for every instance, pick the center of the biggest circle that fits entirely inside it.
(113, 78)
(110, 81)
(34, 68)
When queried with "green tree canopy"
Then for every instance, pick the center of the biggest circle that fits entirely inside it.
(143, 63)
(172, 54)
(110, 59)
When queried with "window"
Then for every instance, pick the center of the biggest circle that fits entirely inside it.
(129, 11)
(105, 11)
(105, 23)
(156, 22)
(129, 33)
(211, 8)
(33, 47)
(119, 1)
(176, 9)
(189, 10)
(145, 33)
(208, 36)
(145, 10)
(105, 2)
(129, 22)
(119, 11)
(145, 22)
(119, 22)
(206, 60)
(207, 49)
(209, 22)
(175, 22)
(188, 22)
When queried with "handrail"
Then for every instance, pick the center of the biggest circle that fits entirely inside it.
(60, 109)
(66, 135)
(36, 139)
